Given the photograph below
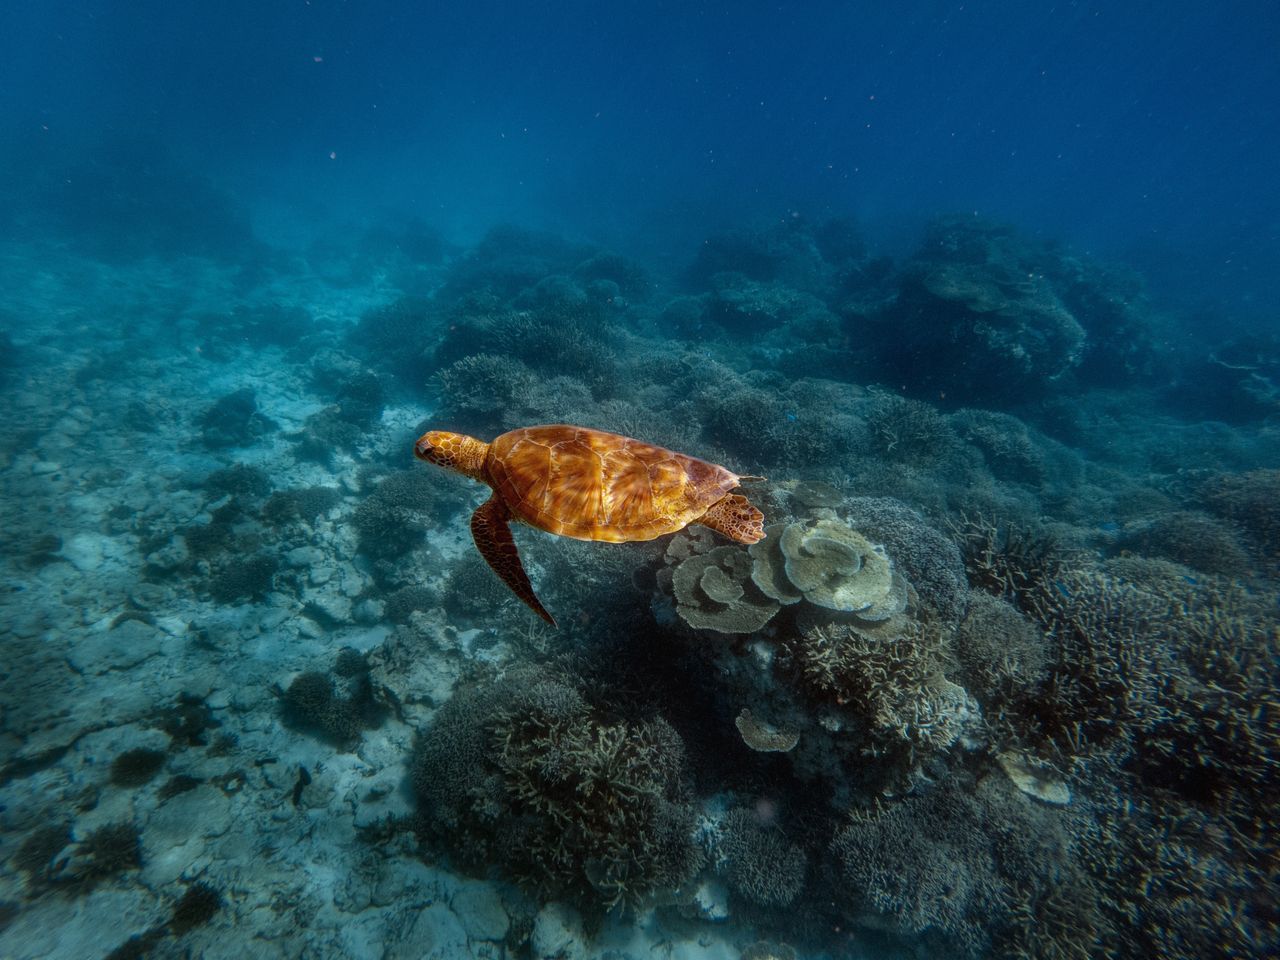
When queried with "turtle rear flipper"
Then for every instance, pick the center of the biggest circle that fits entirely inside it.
(492, 533)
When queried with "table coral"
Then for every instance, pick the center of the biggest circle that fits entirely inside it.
(831, 565)
(713, 592)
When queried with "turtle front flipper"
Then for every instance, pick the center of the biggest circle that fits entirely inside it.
(492, 534)
(735, 517)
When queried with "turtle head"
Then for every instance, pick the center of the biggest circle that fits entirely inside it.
(454, 451)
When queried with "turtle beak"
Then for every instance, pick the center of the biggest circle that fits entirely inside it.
(423, 449)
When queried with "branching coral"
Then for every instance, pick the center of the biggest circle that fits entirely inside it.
(338, 707)
(1192, 538)
(762, 865)
(1005, 442)
(234, 421)
(1008, 561)
(397, 335)
(390, 520)
(908, 431)
(892, 681)
(525, 775)
(920, 871)
(1252, 501)
(999, 649)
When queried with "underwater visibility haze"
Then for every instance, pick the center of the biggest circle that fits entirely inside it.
(858, 533)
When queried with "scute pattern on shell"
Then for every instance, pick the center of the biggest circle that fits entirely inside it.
(592, 485)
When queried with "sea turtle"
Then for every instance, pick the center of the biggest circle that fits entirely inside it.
(589, 485)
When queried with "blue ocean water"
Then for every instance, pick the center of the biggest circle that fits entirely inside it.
(869, 415)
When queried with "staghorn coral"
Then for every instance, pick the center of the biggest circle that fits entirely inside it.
(762, 866)
(747, 308)
(964, 865)
(1170, 679)
(892, 681)
(562, 336)
(1008, 561)
(526, 776)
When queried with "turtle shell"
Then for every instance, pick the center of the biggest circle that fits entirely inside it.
(592, 485)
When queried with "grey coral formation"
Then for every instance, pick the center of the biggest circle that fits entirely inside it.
(967, 866)
(889, 682)
(761, 864)
(930, 561)
(764, 737)
(829, 564)
(527, 775)
(823, 562)
(713, 591)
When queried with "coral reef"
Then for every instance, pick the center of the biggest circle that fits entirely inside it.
(908, 431)
(1000, 650)
(247, 578)
(1252, 501)
(338, 706)
(714, 591)
(234, 421)
(978, 693)
(1190, 538)
(136, 767)
(764, 737)
(977, 320)
(760, 863)
(831, 565)
(892, 682)
(525, 774)
(928, 560)
(391, 518)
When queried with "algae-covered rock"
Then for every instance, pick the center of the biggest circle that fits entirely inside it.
(1034, 779)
